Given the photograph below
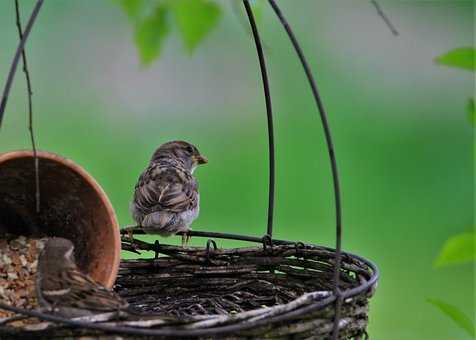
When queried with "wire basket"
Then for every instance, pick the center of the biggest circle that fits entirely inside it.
(278, 289)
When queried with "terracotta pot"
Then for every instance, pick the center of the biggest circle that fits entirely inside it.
(73, 205)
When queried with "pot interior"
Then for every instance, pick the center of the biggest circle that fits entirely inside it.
(72, 205)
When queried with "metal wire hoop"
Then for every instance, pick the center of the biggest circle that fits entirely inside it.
(332, 158)
(269, 114)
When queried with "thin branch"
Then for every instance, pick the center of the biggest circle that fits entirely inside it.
(102, 317)
(384, 17)
(16, 58)
(261, 313)
(6, 320)
(30, 109)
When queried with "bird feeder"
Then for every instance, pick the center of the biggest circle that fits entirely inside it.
(277, 289)
(73, 205)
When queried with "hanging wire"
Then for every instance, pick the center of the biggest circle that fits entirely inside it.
(330, 148)
(384, 17)
(269, 113)
(30, 110)
(16, 58)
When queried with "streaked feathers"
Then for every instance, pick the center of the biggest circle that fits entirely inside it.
(166, 198)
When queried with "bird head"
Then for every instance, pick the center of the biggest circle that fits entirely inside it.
(58, 253)
(182, 151)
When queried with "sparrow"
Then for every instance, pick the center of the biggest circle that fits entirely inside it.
(166, 199)
(61, 287)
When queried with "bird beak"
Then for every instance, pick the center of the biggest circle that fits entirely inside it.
(201, 160)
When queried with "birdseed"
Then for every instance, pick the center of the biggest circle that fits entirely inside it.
(18, 264)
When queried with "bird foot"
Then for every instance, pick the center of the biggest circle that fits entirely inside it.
(130, 235)
(186, 237)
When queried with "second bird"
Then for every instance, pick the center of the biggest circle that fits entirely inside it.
(166, 198)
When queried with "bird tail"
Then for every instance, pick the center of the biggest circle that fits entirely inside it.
(160, 222)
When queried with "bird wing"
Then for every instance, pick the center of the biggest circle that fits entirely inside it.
(165, 187)
(75, 289)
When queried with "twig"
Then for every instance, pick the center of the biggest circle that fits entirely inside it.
(222, 319)
(35, 327)
(260, 313)
(304, 300)
(139, 323)
(13, 66)
(30, 109)
(4, 321)
(130, 248)
(102, 317)
(384, 17)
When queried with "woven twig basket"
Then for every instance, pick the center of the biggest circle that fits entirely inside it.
(275, 291)
(262, 292)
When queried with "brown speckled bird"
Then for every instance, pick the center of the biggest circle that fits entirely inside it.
(166, 199)
(62, 288)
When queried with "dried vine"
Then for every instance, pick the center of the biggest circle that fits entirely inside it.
(30, 109)
(384, 17)
(16, 58)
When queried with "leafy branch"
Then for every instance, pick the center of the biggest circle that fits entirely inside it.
(462, 58)
(154, 20)
(456, 315)
(458, 249)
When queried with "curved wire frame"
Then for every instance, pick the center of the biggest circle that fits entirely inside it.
(332, 158)
(336, 298)
(269, 114)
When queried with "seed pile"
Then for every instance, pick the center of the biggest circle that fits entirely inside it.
(18, 262)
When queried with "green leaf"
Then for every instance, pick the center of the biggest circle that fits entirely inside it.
(195, 19)
(150, 33)
(462, 57)
(456, 250)
(471, 111)
(461, 319)
(132, 8)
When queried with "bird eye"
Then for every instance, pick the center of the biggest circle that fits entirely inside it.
(190, 149)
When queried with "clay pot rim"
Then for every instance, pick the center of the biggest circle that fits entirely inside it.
(10, 155)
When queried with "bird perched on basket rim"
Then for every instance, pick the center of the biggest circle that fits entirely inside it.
(61, 287)
(166, 199)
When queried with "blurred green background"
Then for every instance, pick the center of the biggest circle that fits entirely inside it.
(403, 141)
